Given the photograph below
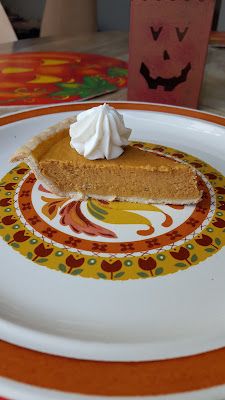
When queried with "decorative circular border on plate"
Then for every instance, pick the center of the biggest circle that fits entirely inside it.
(197, 238)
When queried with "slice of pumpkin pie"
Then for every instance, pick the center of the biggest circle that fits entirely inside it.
(89, 156)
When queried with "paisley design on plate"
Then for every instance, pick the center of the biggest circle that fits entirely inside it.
(116, 240)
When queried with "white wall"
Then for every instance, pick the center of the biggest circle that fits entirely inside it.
(221, 22)
(113, 15)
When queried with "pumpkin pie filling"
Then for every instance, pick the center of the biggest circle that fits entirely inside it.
(90, 156)
(135, 174)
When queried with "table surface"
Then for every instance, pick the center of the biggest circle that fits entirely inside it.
(115, 44)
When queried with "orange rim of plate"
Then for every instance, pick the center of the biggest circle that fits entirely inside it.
(113, 378)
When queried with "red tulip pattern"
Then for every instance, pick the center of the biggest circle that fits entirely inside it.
(19, 237)
(41, 251)
(219, 223)
(111, 267)
(147, 264)
(9, 186)
(211, 176)
(182, 254)
(220, 190)
(73, 262)
(9, 220)
(204, 240)
(196, 164)
(161, 149)
(21, 171)
(178, 155)
(5, 202)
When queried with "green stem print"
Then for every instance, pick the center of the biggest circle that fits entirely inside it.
(91, 86)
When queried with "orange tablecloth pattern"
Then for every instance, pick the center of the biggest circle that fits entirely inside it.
(56, 77)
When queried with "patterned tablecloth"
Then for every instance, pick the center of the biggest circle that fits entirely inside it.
(56, 77)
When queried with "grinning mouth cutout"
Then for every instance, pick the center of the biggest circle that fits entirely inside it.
(168, 83)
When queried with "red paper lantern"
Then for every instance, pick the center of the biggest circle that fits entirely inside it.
(168, 47)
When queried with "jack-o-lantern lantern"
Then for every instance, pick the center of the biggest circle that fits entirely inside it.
(167, 51)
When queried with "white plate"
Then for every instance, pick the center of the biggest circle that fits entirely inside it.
(170, 316)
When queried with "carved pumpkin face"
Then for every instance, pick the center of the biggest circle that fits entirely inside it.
(168, 44)
(168, 83)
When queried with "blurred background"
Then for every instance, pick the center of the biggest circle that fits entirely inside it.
(26, 16)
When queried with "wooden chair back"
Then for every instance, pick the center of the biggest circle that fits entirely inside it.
(7, 33)
(68, 17)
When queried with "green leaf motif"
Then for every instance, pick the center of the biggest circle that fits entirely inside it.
(101, 275)
(1, 227)
(194, 258)
(119, 274)
(159, 271)
(143, 274)
(218, 241)
(180, 265)
(76, 271)
(29, 255)
(117, 72)
(7, 237)
(91, 86)
(210, 250)
(16, 245)
(62, 267)
(95, 214)
(41, 260)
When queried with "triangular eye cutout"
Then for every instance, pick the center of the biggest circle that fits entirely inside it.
(181, 34)
(155, 33)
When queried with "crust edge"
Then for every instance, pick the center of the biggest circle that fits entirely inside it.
(25, 152)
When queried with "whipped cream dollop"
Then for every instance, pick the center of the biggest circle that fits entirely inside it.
(99, 133)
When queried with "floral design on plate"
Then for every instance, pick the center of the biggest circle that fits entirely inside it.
(112, 240)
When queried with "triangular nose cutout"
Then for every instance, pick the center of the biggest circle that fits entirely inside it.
(166, 55)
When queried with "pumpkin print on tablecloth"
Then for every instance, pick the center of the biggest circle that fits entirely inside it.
(56, 77)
